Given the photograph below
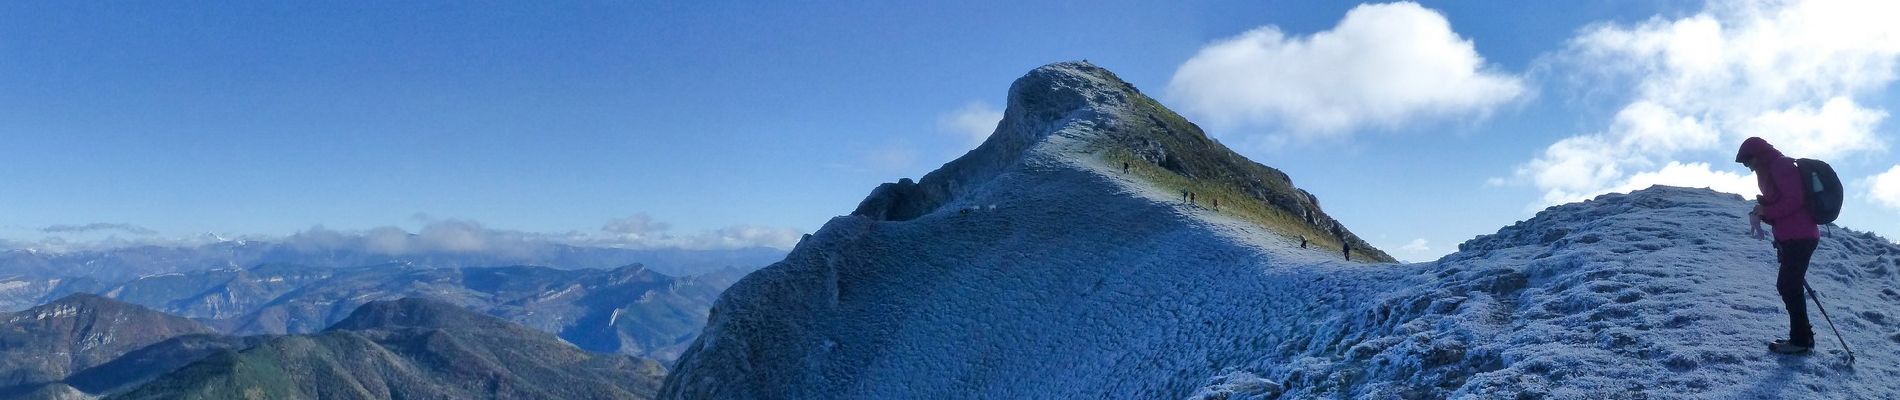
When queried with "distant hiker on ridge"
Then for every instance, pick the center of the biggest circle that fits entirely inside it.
(1124, 168)
(1302, 241)
(1783, 204)
(1345, 246)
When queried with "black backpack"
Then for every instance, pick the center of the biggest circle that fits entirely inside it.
(1824, 190)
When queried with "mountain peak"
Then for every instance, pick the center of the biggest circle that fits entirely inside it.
(1077, 115)
(1066, 234)
(45, 344)
(1057, 92)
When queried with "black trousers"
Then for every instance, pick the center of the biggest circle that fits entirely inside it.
(1794, 256)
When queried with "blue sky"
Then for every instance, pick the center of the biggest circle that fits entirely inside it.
(756, 121)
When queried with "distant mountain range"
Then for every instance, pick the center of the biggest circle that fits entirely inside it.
(120, 264)
(596, 298)
(85, 346)
(629, 310)
(411, 349)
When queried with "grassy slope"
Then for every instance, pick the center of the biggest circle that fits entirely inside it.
(1192, 161)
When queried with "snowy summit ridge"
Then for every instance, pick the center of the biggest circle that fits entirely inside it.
(1035, 267)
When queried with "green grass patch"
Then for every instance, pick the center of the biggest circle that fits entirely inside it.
(1233, 203)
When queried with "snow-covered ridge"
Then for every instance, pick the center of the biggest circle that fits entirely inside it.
(1081, 282)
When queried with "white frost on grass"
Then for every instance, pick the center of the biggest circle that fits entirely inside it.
(1237, 385)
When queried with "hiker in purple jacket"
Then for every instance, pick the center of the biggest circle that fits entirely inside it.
(1783, 204)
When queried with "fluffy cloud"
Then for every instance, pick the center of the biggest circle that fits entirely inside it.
(1692, 175)
(742, 236)
(1789, 72)
(974, 122)
(641, 231)
(1884, 188)
(99, 227)
(1383, 65)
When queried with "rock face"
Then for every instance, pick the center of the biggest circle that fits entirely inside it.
(411, 349)
(45, 344)
(1034, 268)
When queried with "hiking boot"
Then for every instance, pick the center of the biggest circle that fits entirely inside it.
(1785, 347)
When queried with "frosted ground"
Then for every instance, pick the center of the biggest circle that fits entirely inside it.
(1047, 274)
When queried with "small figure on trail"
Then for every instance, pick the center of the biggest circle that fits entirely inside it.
(1217, 204)
(1302, 241)
(1345, 246)
(1184, 195)
(1192, 200)
(1124, 168)
(1783, 204)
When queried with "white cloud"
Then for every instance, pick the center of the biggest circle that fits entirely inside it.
(974, 122)
(1383, 65)
(638, 231)
(1788, 72)
(1691, 175)
(641, 231)
(743, 236)
(1884, 188)
(1418, 245)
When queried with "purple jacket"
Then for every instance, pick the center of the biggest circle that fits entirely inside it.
(1783, 198)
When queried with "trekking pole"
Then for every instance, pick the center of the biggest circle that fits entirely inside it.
(1830, 322)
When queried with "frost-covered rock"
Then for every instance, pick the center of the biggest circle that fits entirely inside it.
(1082, 282)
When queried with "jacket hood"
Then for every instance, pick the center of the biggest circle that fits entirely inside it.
(1756, 147)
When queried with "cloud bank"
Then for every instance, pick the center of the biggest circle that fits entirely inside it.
(1384, 65)
(638, 231)
(1793, 73)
